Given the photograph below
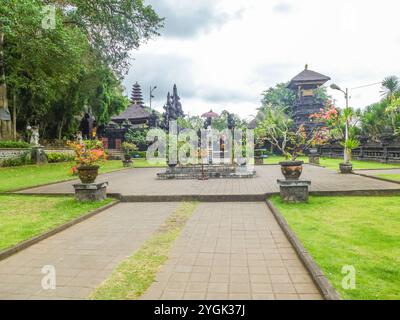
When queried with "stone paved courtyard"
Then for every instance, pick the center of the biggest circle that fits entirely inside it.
(84, 255)
(143, 182)
(233, 251)
(226, 250)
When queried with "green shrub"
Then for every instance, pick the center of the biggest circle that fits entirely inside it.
(55, 157)
(138, 154)
(14, 145)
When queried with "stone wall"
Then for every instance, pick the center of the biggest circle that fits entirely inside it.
(12, 153)
(16, 153)
(385, 153)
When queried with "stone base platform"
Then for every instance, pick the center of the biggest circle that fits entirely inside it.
(209, 172)
(294, 191)
(91, 192)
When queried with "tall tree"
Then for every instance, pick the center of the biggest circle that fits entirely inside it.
(113, 28)
(54, 74)
(279, 97)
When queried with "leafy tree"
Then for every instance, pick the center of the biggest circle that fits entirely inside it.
(373, 120)
(279, 97)
(222, 123)
(194, 122)
(138, 138)
(55, 75)
(113, 28)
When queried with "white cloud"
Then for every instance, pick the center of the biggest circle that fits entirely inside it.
(227, 62)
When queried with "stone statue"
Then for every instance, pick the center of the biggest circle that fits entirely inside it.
(79, 137)
(34, 136)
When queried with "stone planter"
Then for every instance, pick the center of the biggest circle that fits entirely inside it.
(259, 161)
(127, 163)
(292, 170)
(88, 174)
(313, 157)
(346, 168)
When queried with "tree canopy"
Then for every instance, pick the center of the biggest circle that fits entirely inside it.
(65, 58)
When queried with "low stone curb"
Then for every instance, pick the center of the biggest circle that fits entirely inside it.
(376, 178)
(198, 198)
(379, 169)
(28, 243)
(350, 193)
(322, 283)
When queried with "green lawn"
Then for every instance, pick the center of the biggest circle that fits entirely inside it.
(357, 165)
(334, 163)
(395, 177)
(363, 232)
(143, 163)
(33, 175)
(23, 217)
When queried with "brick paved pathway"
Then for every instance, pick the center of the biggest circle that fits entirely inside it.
(143, 182)
(83, 255)
(233, 251)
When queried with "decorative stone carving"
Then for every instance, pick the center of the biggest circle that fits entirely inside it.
(34, 136)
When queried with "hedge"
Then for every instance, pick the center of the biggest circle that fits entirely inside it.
(14, 145)
(54, 157)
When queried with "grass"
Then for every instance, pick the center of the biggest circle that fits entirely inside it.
(363, 232)
(357, 164)
(136, 274)
(35, 175)
(395, 177)
(24, 217)
(16, 178)
(334, 163)
(143, 163)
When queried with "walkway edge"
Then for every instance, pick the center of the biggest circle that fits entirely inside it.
(28, 243)
(322, 283)
(376, 178)
(194, 197)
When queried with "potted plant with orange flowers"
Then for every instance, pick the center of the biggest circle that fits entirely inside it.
(88, 153)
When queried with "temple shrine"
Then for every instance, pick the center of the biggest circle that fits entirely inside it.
(306, 83)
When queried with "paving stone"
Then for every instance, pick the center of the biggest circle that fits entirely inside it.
(146, 184)
(256, 272)
(85, 254)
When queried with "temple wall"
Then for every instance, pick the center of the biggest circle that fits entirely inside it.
(380, 153)
(16, 153)
(12, 153)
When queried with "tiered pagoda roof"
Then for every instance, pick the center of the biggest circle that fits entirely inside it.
(136, 112)
(136, 96)
(308, 77)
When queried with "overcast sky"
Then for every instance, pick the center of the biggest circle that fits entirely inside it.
(223, 53)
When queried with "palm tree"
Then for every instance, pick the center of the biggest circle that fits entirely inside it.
(390, 86)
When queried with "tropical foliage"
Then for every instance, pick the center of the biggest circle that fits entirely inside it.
(65, 58)
(279, 129)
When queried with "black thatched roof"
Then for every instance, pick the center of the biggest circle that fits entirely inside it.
(308, 77)
(134, 112)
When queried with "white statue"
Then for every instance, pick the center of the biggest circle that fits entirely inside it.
(79, 137)
(34, 136)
